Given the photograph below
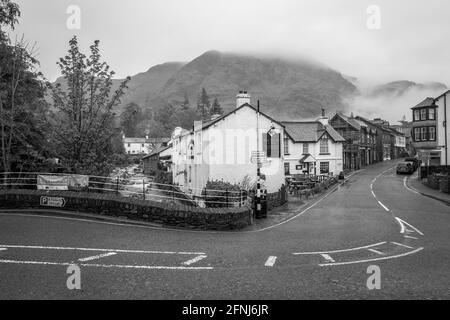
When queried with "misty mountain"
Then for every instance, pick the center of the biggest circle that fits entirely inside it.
(399, 88)
(285, 88)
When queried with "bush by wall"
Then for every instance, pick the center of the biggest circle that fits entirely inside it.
(168, 214)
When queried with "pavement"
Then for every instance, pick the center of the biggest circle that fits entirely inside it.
(324, 250)
(417, 185)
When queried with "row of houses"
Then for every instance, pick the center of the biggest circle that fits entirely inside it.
(231, 146)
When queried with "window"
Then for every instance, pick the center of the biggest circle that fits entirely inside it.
(423, 133)
(324, 167)
(142, 145)
(324, 144)
(432, 133)
(416, 134)
(129, 145)
(271, 145)
(286, 168)
(416, 115)
(305, 148)
(298, 167)
(423, 114)
(286, 145)
(431, 113)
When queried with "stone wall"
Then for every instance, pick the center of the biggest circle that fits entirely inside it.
(168, 213)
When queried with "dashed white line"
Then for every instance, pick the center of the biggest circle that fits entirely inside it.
(377, 252)
(370, 260)
(409, 237)
(194, 260)
(1, 249)
(105, 265)
(327, 257)
(98, 249)
(384, 207)
(98, 256)
(270, 261)
(402, 245)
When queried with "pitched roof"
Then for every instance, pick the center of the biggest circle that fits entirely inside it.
(134, 140)
(427, 102)
(351, 121)
(310, 131)
(209, 123)
(145, 140)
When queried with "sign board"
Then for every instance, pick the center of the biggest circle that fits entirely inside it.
(258, 155)
(53, 201)
(61, 182)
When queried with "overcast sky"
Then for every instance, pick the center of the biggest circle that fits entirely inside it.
(412, 43)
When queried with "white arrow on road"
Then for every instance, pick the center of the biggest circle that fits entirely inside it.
(194, 260)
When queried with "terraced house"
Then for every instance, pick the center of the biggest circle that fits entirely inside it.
(424, 132)
(360, 141)
(312, 147)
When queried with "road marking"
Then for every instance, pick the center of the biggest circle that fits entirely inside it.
(381, 204)
(102, 250)
(270, 261)
(194, 260)
(409, 188)
(342, 250)
(105, 265)
(403, 222)
(98, 256)
(370, 260)
(402, 245)
(411, 237)
(376, 251)
(327, 257)
(2, 249)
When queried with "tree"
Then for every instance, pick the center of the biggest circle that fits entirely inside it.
(22, 106)
(216, 108)
(203, 105)
(185, 104)
(130, 118)
(84, 134)
(163, 116)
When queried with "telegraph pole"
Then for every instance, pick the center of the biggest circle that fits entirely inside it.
(258, 167)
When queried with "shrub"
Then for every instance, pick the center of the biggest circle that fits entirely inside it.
(219, 194)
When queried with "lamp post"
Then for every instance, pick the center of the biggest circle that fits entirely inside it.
(258, 167)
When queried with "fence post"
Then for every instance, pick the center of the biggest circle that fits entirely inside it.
(206, 198)
(226, 195)
(173, 194)
(240, 197)
(117, 186)
(143, 188)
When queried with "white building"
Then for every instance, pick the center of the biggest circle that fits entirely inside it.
(225, 147)
(143, 145)
(312, 147)
(443, 131)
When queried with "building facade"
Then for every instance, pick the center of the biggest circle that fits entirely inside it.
(312, 147)
(225, 148)
(360, 141)
(442, 103)
(424, 132)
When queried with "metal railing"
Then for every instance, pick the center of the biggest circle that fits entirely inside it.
(139, 188)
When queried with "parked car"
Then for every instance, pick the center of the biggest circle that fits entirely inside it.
(415, 162)
(405, 167)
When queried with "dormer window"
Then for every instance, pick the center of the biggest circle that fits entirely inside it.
(324, 144)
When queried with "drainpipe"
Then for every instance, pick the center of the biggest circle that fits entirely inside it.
(445, 129)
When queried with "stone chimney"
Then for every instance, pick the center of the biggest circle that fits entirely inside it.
(323, 119)
(242, 98)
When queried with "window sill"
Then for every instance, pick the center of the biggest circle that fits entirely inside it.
(324, 154)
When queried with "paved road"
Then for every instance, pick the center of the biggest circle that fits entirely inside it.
(323, 253)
